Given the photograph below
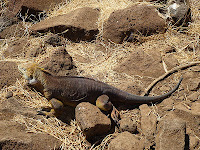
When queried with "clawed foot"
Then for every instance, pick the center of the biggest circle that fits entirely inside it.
(48, 112)
(46, 108)
(115, 115)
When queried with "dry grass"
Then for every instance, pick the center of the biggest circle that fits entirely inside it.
(70, 135)
(98, 61)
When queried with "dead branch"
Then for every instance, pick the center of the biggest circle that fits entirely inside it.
(175, 69)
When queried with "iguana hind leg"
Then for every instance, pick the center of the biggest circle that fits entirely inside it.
(104, 104)
(115, 115)
(56, 109)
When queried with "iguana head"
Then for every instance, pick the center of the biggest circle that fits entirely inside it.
(29, 72)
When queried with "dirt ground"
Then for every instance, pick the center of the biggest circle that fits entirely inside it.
(130, 66)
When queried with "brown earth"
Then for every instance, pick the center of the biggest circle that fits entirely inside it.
(131, 66)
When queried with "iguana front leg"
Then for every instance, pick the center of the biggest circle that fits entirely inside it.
(104, 104)
(56, 109)
(47, 94)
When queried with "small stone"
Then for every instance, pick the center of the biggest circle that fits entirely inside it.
(167, 104)
(55, 40)
(171, 61)
(179, 12)
(91, 120)
(148, 122)
(191, 115)
(194, 84)
(194, 142)
(126, 141)
(9, 94)
(35, 51)
(171, 134)
(194, 96)
(196, 107)
(169, 49)
(127, 124)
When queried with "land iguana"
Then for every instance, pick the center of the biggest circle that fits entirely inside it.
(71, 90)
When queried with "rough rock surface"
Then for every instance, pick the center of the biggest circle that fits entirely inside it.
(138, 62)
(55, 40)
(80, 24)
(4, 22)
(194, 142)
(181, 14)
(59, 62)
(167, 104)
(170, 61)
(35, 50)
(194, 96)
(22, 47)
(126, 141)
(12, 106)
(16, 48)
(148, 122)
(14, 135)
(194, 84)
(190, 116)
(140, 19)
(127, 124)
(32, 5)
(6, 70)
(9, 94)
(15, 30)
(171, 135)
(142, 63)
(91, 120)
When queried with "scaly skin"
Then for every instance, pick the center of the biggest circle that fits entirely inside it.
(67, 90)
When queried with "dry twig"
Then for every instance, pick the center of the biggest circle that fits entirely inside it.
(175, 69)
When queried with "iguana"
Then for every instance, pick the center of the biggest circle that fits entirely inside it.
(71, 90)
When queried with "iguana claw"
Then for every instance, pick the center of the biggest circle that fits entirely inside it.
(115, 115)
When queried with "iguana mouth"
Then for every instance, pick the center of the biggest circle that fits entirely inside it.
(31, 79)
